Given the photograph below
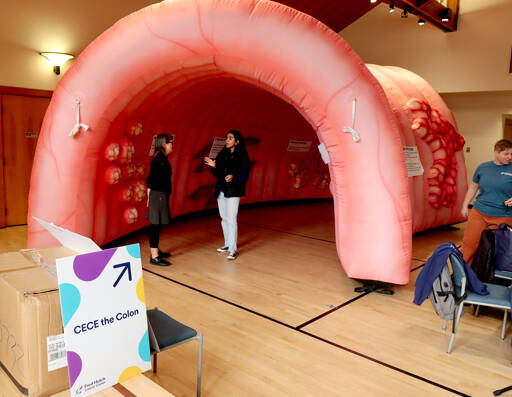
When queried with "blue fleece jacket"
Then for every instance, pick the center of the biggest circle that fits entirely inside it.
(433, 268)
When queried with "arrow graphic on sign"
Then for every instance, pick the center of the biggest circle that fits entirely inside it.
(125, 266)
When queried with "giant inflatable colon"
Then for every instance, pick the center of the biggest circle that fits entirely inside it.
(199, 68)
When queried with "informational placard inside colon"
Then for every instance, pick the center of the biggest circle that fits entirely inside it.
(298, 146)
(412, 161)
(217, 145)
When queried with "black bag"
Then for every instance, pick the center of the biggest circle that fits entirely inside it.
(483, 261)
(503, 247)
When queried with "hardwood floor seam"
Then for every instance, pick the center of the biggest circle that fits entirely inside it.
(316, 336)
(332, 310)
(281, 231)
(385, 364)
(417, 267)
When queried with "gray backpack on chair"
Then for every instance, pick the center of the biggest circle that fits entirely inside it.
(442, 295)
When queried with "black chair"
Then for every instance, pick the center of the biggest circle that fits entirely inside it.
(165, 333)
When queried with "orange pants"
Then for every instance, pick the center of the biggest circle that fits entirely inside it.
(477, 223)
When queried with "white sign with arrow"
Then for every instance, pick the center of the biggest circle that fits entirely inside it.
(104, 317)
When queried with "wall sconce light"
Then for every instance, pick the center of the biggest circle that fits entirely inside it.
(391, 7)
(421, 22)
(373, 1)
(56, 59)
(446, 14)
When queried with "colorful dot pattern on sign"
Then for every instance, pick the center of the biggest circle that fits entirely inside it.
(74, 366)
(144, 348)
(88, 267)
(128, 373)
(134, 250)
(140, 291)
(70, 301)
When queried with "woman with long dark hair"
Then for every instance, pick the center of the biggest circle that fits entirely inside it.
(159, 191)
(231, 167)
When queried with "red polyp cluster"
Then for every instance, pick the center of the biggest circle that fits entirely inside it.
(125, 173)
(443, 140)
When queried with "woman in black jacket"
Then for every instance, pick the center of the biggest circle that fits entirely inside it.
(159, 190)
(231, 167)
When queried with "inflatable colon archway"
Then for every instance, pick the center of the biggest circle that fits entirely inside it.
(197, 68)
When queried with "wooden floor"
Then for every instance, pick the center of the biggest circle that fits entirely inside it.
(284, 320)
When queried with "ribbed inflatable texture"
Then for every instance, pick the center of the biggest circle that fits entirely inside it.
(199, 68)
(426, 122)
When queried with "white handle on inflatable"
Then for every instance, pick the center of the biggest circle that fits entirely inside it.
(78, 125)
(355, 135)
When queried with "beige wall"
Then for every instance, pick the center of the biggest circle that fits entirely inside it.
(29, 27)
(474, 58)
(479, 118)
(24, 67)
(470, 66)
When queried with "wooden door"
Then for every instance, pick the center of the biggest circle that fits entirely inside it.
(507, 127)
(22, 117)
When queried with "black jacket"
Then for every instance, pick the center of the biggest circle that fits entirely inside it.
(160, 172)
(234, 163)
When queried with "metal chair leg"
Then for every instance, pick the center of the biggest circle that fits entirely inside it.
(199, 363)
(455, 325)
(459, 314)
(154, 363)
(504, 325)
(477, 310)
(445, 324)
(451, 343)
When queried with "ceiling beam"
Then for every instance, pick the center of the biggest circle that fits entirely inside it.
(337, 14)
(432, 11)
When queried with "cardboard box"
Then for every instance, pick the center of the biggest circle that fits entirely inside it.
(13, 261)
(7, 387)
(29, 313)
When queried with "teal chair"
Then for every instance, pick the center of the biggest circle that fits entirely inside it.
(165, 333)
(499, 297)
(503, 274)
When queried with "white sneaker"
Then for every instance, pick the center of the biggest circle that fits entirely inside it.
(223, 249)
(232, 255)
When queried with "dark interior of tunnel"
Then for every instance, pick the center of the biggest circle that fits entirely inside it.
(196, 110)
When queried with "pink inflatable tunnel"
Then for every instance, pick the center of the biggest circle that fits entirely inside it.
(197, 68)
